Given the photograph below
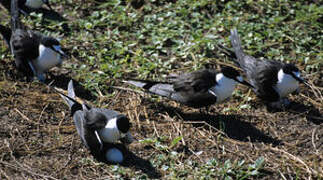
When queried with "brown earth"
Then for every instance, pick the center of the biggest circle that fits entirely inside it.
(39, 141)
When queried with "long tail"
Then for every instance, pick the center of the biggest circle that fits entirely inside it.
(230, 53)
(236, 44)
(70, 99)
(15, 21)
(158, 88)
(6, 34)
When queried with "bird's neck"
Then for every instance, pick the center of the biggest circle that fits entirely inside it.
(286, 83)
(224, 88)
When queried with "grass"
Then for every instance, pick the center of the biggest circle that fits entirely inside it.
(148, 39)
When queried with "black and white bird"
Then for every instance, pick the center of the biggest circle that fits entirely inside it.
(197, 89)
(25, 5)
(99, 127)
(35, 4)
(272, 80)
(34, 53)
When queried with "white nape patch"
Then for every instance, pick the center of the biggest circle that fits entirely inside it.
(110, 133)
(35, 4)
(224, 88)
(114, 155)
(286, 83)
(47, 59)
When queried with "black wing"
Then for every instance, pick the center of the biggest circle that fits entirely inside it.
(192, 89)
(196, 82)
(264, 78)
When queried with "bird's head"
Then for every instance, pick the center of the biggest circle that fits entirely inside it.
(233, 74)
(293, 71)
(53, 44)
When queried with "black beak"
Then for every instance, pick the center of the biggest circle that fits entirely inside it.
(60, 52)
(301, 80)
(63, 54)
(245, 83)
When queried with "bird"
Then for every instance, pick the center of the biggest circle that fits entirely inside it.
(35, 4)
(98, 128)
(196, 89)
(25, 6)
(34, 53)
(272, 80)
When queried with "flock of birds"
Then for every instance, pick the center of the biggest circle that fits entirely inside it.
(100, 128)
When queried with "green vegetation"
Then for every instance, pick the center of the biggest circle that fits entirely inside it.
(144, 39)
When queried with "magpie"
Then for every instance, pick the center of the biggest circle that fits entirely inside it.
(34, 53)
(196, 89)
(98, 127)
(272, 80)
(25, 5)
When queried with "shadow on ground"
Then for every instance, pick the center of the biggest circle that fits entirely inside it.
(61, 81)
(131, 161)
(312, 114)
(232, 125)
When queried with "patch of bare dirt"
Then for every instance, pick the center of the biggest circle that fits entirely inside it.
(39, 141)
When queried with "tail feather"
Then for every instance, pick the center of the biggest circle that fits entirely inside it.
(236, 44)
(15, 21)
(158, 88)
(228, 52)
(6, 34)
(70, 99)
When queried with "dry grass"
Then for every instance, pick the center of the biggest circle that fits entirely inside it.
(39, 140)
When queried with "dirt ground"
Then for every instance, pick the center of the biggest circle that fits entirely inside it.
(39, 141)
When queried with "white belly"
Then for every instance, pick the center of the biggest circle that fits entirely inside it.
(224, 88)
(286, 84)
(35, 4)
(285, 89)
(47, 59)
